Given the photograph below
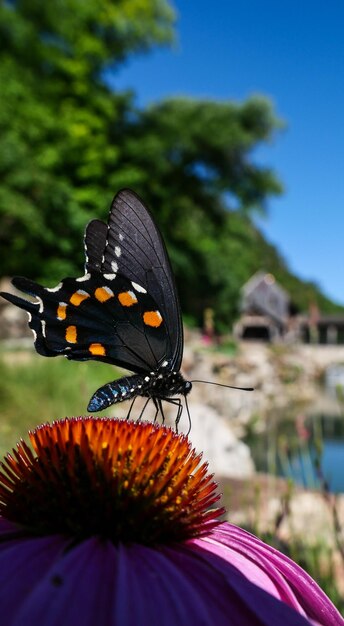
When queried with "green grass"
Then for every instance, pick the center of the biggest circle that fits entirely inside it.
(34, 390)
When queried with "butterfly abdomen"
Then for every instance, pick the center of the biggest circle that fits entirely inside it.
(117, 391)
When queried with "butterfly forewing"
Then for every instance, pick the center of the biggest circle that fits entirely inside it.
(134, 247)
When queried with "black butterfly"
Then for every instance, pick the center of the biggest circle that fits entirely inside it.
(123, 311)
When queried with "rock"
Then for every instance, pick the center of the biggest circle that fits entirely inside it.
(212, 435)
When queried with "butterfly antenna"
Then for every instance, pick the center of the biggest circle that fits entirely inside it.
(209, 382)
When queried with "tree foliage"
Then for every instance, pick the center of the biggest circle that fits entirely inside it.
(69, 143)
(59, 124)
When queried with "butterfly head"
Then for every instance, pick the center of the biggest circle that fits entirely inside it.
(187, 386)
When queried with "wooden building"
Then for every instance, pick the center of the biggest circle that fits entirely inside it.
(266, 316)
(265, 309)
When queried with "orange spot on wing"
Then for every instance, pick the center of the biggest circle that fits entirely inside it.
(71, 334)
(152, 318)
(78, 297)
(97, 349)
(127, 298)
(61, 311)
(103, 294)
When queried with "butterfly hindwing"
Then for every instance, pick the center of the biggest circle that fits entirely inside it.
(97, 318)
(94, 243)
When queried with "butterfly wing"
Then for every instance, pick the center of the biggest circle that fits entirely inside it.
(94, 244)
(135, 248)
(96, 318)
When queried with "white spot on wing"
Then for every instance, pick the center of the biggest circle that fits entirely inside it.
(29, 316)
(54, 289)
(120, 237)
(43, 327)
(138, 287)
(114, 266)
(84, 277)
(40, 303)
(118, 251)
(110, 276)
(34, 334)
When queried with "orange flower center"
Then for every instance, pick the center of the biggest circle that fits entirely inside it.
(124, 481)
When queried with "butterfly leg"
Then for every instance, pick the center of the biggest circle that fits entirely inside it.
(143, 410)
(158, 408)
(131, 406)
(179, 412)
(157, 404)
(161, 410)
(188, 412)
(178, 403)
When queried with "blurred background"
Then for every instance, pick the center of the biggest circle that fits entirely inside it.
(227, 120)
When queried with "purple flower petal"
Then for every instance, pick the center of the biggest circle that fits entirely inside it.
(259, 562)
(45, 581)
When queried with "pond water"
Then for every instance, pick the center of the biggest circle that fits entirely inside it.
(292, 448)
(302, 466)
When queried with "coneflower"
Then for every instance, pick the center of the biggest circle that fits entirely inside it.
(109, 522)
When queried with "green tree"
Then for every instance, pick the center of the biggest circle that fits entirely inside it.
(59, 123)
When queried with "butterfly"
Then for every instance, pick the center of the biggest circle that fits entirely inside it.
(124, 310)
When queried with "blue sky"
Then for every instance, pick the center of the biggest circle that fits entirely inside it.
(293, 52)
